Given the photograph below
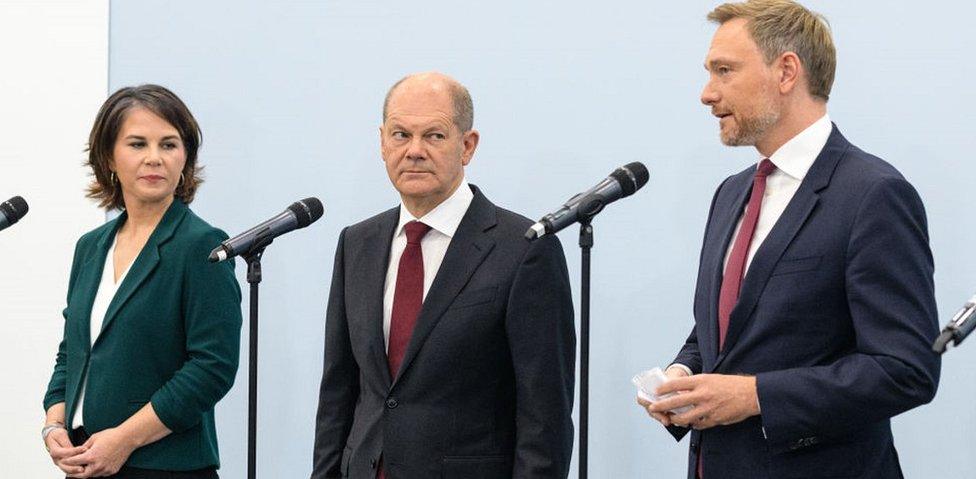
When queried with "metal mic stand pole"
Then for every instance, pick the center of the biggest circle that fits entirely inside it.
(588, 208)
(253, 259)
(585, 243)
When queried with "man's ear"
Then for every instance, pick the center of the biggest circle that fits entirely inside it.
(790, 72)
(470, 142)
(382, 139)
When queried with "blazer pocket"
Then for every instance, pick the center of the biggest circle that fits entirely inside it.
(477, 467)
(474, 298)
(823, 460)
(798, 265)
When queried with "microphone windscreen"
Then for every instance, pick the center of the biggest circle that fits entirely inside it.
(640, 173)
(631, 177)
(307, 211)
(14, 209)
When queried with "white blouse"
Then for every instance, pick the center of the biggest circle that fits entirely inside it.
(103, 298)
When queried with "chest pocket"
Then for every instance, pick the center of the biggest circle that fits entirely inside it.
(474, 298)
(798, 265)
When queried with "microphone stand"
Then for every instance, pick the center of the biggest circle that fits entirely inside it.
(588, 208)
(253, 260)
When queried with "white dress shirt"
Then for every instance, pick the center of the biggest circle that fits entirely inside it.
(103, 298)
(792, 161)
(443, 221)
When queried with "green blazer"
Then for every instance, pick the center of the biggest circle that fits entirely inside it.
(171, 337)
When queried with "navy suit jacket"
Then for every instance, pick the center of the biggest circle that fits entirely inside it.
(835, 319)
(485, 390)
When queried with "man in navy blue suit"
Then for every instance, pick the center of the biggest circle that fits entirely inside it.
(814, 308)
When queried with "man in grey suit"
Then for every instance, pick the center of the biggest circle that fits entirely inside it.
(450, 343)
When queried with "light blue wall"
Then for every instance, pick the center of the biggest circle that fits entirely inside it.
(289, 97)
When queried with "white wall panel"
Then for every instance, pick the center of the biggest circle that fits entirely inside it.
(53, 77)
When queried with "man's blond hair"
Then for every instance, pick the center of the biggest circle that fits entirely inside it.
(780, 26)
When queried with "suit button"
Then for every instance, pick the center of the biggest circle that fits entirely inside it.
(391, 403)
(372, 463)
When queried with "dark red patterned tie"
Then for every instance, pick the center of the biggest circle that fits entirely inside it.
(408, 296)
(736, 266)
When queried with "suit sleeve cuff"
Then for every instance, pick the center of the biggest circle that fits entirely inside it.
(52, 399)
(166, 410)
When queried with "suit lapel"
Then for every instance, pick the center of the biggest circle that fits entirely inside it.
(764, 262)
(146, 262)
(727, 219)
(370, 268)
(91, 276)
(468, 249)
(786, 228)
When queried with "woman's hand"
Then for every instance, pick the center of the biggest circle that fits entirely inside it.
(58, 443)
(60, 448)
(104, 453)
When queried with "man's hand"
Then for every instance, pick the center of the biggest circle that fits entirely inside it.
(106, 452)
(663, 417)
(717, 400)
(60, 448)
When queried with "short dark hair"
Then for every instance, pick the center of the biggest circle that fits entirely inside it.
(101, 141)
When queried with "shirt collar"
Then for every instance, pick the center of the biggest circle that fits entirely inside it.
(796, 156)
(445, 217)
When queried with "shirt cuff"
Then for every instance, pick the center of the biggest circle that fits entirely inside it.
(682, 367)
(759, 408)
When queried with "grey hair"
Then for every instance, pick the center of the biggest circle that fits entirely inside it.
(460, 98)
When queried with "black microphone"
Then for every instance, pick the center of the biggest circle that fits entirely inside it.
(299, 215)
(623, 182)
(956, 331)
(11, 211)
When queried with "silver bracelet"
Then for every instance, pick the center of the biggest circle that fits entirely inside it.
(46, 430)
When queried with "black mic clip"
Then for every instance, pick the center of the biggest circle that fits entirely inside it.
(262, 240)
(590, 206)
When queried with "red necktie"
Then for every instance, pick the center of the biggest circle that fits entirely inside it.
(408, 296)
(736, 266)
